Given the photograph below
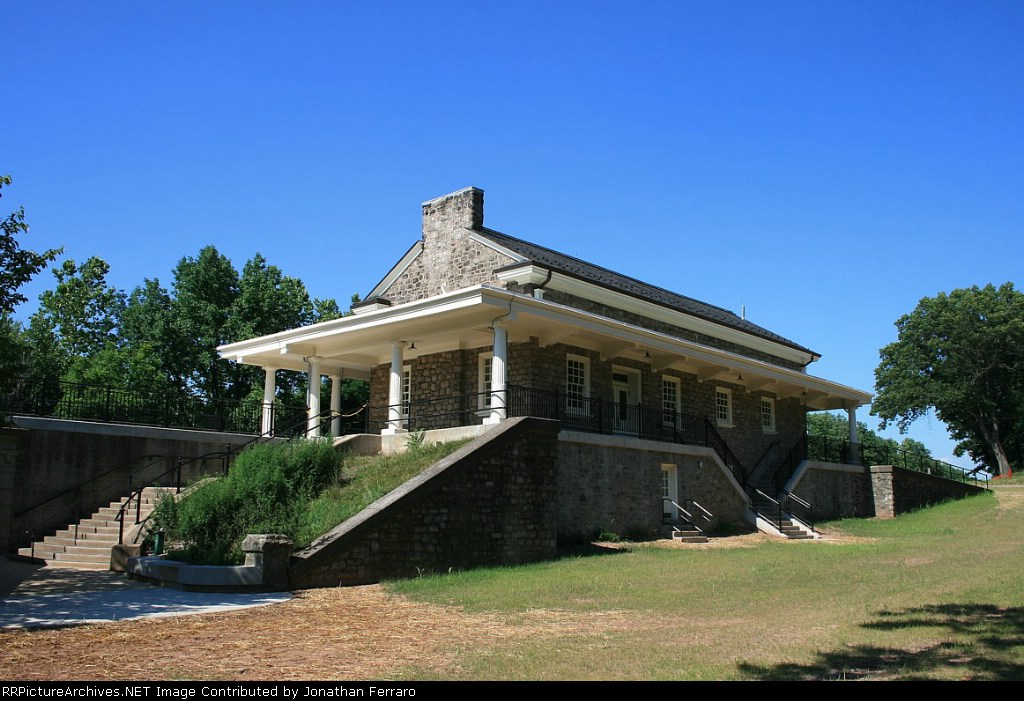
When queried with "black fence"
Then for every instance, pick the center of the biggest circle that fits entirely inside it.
(833, 450)
(80, 402)
(592, 415)
(429, 414)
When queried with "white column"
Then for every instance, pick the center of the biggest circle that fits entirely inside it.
(395, 390)
(499, 385)
(851, 415)
(313, 396)
(336, 405)
(269, 391)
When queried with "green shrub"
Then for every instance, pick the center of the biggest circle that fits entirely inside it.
(265, 492)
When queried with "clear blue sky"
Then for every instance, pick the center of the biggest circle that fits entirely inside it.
(825, 164)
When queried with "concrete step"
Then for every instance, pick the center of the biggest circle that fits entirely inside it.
(687, 538)
(88, 550)
(98, 558)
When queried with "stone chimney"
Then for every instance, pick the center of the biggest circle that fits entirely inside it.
(449, 214)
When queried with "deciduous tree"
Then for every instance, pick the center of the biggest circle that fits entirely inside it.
(961, 354)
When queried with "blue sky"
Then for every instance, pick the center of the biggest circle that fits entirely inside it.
(824, 164)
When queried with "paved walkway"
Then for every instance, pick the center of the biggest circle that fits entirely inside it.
(40, 597)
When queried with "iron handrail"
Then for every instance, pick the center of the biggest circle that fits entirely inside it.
(777, 520)
(705, 514)
(225, 455)
(808, 517)
(714, 440)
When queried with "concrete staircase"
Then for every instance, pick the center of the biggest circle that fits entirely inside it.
(795, 531)
(687, 533)
(86, 545)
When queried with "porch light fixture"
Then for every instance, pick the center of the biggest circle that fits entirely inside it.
(647, 355)
(412, 346)
(739, 377)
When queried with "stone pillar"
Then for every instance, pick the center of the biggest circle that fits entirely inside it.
(854, 456)
(269, 392)
(882, 492)
(395, 390)
(313, 396)
(499, 387)
(270, 553)
(336, 405)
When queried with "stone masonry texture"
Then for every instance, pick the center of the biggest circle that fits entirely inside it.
(492, 502)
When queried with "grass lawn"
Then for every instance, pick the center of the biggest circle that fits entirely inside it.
(931, 595)
(935, 594)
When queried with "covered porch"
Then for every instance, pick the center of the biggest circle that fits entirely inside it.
(482, 354)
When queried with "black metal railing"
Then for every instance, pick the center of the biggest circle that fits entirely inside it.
(799, 508)
(787, 468)
(301, 429)
(766, 507)
(716, 442)
(828, 449)
(81, 402)
(431, 413)
(593, 415)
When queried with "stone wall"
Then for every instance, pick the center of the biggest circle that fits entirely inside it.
(835, 491)
(491, 502)
(456, 373)
(884, 491)
(614, 484)
(450, 259)
(52, 456)
(897, 490)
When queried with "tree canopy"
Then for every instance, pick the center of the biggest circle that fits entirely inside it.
(17, 266)
(961, 354)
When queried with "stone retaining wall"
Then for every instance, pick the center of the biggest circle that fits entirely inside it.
(44, 458)
(883, 491)
(613, 484)
(491, 502)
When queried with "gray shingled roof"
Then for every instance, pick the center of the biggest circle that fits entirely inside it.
(583, 270)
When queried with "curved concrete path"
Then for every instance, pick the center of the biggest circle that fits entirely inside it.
(38, 597)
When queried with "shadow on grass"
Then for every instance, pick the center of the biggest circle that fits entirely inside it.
(973, 641)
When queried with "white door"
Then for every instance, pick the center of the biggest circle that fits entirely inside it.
(669, 492)
(626, 398)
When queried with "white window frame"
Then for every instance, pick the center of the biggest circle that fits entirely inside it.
(768, 426)
(726, 420)
(406, 394)
(577, 407)
(670, 415)
(483, 383)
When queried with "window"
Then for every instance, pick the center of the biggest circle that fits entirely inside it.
(767, 414)
(670, 401)
(723, 406)
(406, 391)
(484, 380)
(577, 384)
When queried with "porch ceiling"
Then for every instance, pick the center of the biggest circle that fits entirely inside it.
(351, 346)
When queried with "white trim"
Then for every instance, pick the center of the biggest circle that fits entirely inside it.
(531, 274)
(481, 239)
(667, 412)
(405, 395)
(483, 383)
(727, 420)
(400, 267)
(579, 408)
(770, 403)
(387, 322)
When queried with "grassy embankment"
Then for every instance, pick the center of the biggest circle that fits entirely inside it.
(934, 594)
(300, 489)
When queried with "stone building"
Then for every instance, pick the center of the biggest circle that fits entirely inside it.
(662, 398)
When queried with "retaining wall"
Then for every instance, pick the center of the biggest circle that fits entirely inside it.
(491, 502)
